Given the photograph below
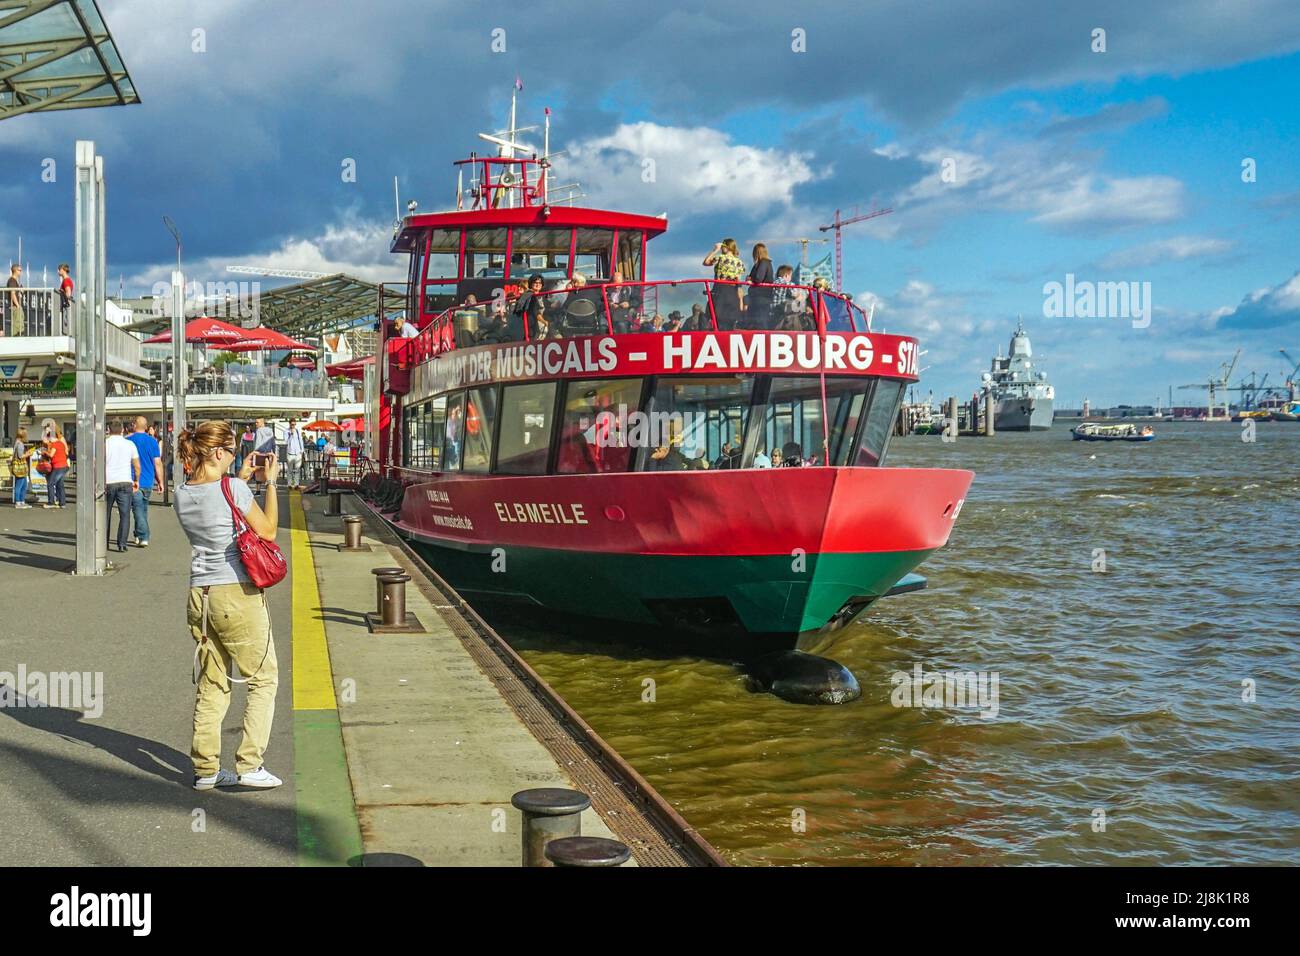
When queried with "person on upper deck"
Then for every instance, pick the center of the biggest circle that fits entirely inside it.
(403, 329)
(759, 300)
(623, 302)
(698, 320)
(727, 267)
(526, 311)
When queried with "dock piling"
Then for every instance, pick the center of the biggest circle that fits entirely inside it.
(335, 508)
(549, 814)
(989, 408)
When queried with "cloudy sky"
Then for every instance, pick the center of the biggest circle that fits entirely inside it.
(1013, 150)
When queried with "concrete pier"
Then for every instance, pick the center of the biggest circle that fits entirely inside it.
(394, 748)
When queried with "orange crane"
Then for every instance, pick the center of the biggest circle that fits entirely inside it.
(838, 224)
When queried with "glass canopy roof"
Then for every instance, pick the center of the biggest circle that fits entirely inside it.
(58, 55)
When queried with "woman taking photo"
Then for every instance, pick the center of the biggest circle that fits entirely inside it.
(228, 615)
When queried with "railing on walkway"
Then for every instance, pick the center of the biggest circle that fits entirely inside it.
(250, 380)
(691, 305)
(41, 312)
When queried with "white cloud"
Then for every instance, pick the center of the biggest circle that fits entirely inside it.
(1174, 249)
(694, 170)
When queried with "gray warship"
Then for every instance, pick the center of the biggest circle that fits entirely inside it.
(1022, 397)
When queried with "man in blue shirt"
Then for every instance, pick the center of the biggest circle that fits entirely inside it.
(151, 475)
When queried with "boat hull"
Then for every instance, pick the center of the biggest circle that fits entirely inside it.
(1023, 414)
(769, 553)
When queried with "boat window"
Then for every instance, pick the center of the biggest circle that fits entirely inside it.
(591, 438)
(485, 253)
(879, 425)
(696, 422)
(442, 266)
(526, 422)
(480, 421)
(454, 431)
(592, 253)
(540, 250)
(792, 421)
(629, 254)
(435, 424)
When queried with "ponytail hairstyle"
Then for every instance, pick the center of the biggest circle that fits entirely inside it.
(199, 442)
(760, 252)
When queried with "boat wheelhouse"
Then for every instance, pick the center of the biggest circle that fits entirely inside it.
(697, 455)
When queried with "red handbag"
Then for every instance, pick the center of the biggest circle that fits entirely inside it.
(262, 559)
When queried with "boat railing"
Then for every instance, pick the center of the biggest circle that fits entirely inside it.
(687, 305)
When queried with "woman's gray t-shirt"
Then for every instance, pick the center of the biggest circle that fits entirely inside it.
(205, 517)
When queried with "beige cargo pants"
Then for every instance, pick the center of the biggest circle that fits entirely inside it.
(238, 629)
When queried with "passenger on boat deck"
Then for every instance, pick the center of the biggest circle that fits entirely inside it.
(623, 301)
(657, 323)
(782, 295)
(403, 329)
(668, 458)
(698, 320)
(759, 301)
(761, 460)
(698, 461)
(527, 309)
(777, 461)
(727, 267)
(675, 322)
(791, 455)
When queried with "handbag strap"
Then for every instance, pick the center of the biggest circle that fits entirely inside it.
(237, 517)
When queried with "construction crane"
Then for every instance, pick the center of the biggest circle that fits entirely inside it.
(803, 246)
(1217, 385)
(1252, 391)
(838, 224)
(1292, 377)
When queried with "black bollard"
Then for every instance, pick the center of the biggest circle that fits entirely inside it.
(335, 508)
(549, 813)
(587, 851)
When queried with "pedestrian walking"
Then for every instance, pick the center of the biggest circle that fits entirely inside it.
(228, 615)
(56, 453)
(293, 455)
(20, 467)
(151, 476)
(121, 479)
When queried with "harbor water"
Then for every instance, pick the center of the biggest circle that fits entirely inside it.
(1138, 606)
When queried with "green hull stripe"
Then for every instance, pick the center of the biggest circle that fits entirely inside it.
(328, 834)
(770, 593)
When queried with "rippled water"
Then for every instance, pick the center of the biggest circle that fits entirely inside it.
(1120, 692)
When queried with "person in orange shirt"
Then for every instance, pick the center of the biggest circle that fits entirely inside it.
(56, 453)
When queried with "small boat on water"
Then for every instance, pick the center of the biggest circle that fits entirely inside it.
(1092, 431)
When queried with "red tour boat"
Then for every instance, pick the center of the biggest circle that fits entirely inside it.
(694, 456)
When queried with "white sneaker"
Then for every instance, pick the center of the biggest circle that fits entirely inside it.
(222, 778)
(141, 544)
(261, 778)
(21, 505)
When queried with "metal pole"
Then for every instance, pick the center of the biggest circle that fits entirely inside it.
(92, 545)
(163, 443)
(180, 374)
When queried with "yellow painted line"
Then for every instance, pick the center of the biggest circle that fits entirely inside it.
(313, 681)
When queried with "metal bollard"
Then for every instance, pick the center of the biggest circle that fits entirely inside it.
(336, 504)
(391, 616)
(587, 851)
(550, 813)
(352, 535)
(392, 606)
(379, 586)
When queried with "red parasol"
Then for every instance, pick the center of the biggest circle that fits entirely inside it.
(262, 339)
(204, 331)
(323, 426)
(354, 369)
